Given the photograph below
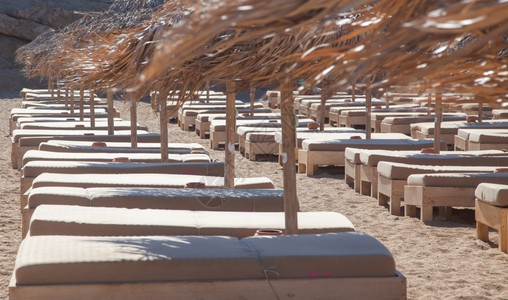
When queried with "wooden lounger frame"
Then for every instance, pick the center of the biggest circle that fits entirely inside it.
(448, 138)
(352, 174)
(473, 146)
(399, 128)
(351, 121)
(492, 216)
(460, 143)
(309, 161)
(426, 197)
(302, 288)
(252, 149)
(390, 192)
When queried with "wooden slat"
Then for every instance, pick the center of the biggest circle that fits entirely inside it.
(288, 160)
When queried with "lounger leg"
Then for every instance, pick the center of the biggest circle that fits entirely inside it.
(395, 208)
(426, 213)
(482, 231)
(365, 188)
(382, 199)
(302, 168)
(252, 157)
(202, 134)
(410, 211)
(311, 170)
(503, 232)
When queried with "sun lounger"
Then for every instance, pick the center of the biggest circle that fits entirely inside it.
(315, 153)
(215, 199)
(481, 139)
(203, 120)
(39, 155)
(214, 267)
(499, 114)
(488, 139)
(187, 114)
(392, 177)
(450, 129)
(491, 210)
(345, 100)
(35, 168)
(315, 108)
(403, 124)
(110, 221)
(140, 180)
(24, 120)
(218, 128)
(19, 148)
(89, 146)
(100, 124)
(17, 113)
(220, 199)
(426, 191)
(370, 158)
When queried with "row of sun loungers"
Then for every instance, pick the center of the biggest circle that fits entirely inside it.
(98, 228)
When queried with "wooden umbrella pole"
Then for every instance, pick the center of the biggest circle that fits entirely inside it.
(81, 103)
(353, 92)
(368, 105)
(252, 99)
(207, 90)
(429, 105)
(164, 128)
(324, 97)
(480, 112)
(111, 127)
(66, 96)
(437, 124)
(288, 158)
(58, 96)
(72, 99)
(134, 123)
(92, 109)
(50, 87)
(229, 171)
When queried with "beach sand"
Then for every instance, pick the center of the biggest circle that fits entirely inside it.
(441, 260)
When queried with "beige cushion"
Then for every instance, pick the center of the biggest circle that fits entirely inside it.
(453, 126)
(353, 155)
(401, 171)
(327, 134)
(108, 221)
(410, 120)
(375, 143)
(38, 155)
(50, 259)
(457, 179)
(495, 194)
(35, 168)
(84, 146)
(500, 137)
(500, 113)
(33, 141)
(21, 133)
(372, 157)
(161, 198)
(347, 254)
(143, 180)
(100, 124)
(260, 137)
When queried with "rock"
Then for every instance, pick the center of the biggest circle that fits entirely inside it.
(56, 18)
(21, 21)
(23, 29)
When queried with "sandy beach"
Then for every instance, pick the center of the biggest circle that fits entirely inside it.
(441, 260)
